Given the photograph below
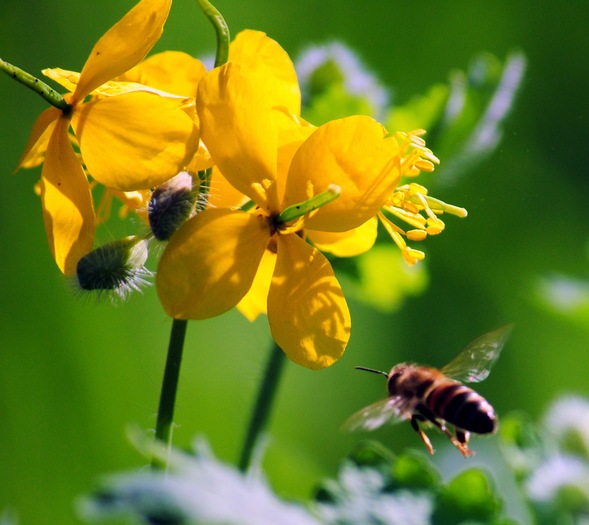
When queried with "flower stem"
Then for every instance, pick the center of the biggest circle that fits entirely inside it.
(221, 30)
(165, 415)
(38, 86)
(263, 405)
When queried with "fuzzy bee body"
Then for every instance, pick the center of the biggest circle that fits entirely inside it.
(423, 394)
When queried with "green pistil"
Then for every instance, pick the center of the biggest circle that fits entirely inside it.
(299, 210)
(247, 206)
(38, 86)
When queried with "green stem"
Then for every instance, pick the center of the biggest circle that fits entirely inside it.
(221, 30)
(263, 405)
(165, 414)
(38, 86)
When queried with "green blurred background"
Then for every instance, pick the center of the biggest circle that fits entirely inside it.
(75, 373)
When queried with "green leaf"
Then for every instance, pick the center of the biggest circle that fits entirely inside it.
(479, 103)
(421, 111)
(414, 472)
(521, 443)
(469, 496)
(372, 454)
(464, 119)
(336, 102)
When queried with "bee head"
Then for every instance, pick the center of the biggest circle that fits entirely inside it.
(395, 376)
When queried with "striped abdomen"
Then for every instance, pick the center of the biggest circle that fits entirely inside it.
(462, 406)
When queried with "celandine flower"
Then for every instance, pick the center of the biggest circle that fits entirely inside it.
(179, 74)
(268, 154)
(129, 138)
(409, 203)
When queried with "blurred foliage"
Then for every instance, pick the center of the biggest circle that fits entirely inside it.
(74, 373)
(372, 487)
(375, 487)
(551, 460)
(464, 120)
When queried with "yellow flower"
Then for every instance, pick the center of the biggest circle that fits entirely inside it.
(129, 137)
(268, 154)
(178, 73)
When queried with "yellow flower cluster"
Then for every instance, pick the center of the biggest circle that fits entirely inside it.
(136, 124)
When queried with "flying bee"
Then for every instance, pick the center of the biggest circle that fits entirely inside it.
(425, 395)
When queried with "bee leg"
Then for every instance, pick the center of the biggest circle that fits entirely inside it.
(459, 441)
(415, 424)
(462, 437)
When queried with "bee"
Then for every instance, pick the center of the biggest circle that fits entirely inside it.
(428, 396)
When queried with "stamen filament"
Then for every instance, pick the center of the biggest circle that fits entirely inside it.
(442, 206)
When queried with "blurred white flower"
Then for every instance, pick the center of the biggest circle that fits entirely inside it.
(557, 474)
(568, 420)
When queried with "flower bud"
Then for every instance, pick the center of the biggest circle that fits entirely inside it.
(117, 267)
(171, 204)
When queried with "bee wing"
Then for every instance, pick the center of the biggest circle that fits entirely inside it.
(374, 416)
(474, 363)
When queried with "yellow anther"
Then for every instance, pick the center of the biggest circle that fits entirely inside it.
(416, 235)
(425, 165)
(412, 256)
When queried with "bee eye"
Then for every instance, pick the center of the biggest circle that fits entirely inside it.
(393, 382)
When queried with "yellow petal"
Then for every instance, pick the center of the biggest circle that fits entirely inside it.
(171, 71)
(123, 84)
(66, 200)
(292, 132)
(222, 194)
(67, 79)
(34, 152)
(210, 263)
(136, 201)
(258, 53)
(255, 301)
(201, 160)
(134, 141)
(123, 45)
(346, 244)
(353, 154)
(240, 132)
(307, 311)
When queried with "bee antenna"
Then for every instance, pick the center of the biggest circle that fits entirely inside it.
(372, 370)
